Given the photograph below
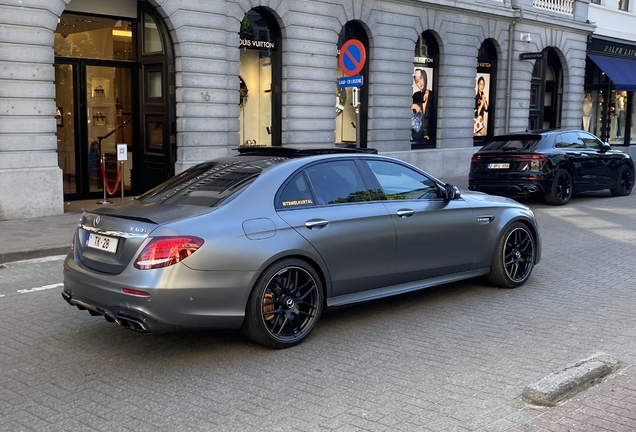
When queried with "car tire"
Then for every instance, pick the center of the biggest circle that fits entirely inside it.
(514, 257)
(561, 190)
(285, 305)
(624, 181)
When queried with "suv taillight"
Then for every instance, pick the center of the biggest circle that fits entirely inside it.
(166, 251)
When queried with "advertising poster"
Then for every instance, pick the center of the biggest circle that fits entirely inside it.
(482, 90)
(421, 107)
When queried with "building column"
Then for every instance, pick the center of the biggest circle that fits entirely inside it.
(29, 174)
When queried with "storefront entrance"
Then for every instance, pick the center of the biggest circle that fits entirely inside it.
(546, 92)
(114, 86)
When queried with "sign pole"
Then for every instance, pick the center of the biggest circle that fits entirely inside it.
(122, 164)
(122, 156)
(356, 105)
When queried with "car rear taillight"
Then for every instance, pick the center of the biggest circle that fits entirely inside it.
(530, 158)
(476, 158)
(166, 251)
(531, 162)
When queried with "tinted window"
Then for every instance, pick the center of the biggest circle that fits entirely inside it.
(512, 143)
(568, 140)
(295, 194)
(590, 141)
(206, 184)
(402, 183)
(337, 182)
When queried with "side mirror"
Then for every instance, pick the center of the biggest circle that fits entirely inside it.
(606, 147)
(451, 192)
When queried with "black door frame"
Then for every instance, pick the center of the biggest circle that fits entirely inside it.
(82, 190)
(539, 87)
(154, 165)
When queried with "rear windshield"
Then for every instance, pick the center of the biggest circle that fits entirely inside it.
(207, 184)
(511, 143)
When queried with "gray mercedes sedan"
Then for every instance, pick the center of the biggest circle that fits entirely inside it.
(268, 239)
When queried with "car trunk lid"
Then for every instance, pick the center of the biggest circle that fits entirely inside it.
(109, 239)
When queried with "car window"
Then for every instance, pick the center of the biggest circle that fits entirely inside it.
(590, 141)
(568, 140)
(512, 143)
(207, 184)
(402, 183)
(295, 194)
(337, 182)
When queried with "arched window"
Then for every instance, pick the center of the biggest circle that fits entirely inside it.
(424, 101)
(485, 85)
(259, 79)
(348, 131)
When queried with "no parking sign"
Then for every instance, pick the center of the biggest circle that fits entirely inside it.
(352, 57)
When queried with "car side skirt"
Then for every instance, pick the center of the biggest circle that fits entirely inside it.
(403, 288)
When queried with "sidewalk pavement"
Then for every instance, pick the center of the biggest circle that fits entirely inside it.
(22, 239)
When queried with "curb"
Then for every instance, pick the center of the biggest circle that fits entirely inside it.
(562, 385)
(31, 254)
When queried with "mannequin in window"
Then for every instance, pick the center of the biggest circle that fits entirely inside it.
(420, 108)
(587, 110)
(620, 118)
(481, 108)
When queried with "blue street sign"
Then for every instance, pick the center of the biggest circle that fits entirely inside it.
(352, 81)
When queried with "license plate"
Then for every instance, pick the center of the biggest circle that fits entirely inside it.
(104, 243)
(498, 165)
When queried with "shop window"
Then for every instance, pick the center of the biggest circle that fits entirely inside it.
(424, 100)
(348, 131)
(617, 116)
(259, 70)
(484, 108)
(630, 127)
(83, 36)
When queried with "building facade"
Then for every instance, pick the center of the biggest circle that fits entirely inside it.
(165, 84)
(610, 74)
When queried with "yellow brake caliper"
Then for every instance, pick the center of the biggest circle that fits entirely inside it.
(268, 298)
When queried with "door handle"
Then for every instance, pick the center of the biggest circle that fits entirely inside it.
(404, 213)
(316, 223)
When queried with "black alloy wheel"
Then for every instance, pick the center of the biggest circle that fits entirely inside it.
(624, 181)
(561, 190)
(285, 305)
(514, 257)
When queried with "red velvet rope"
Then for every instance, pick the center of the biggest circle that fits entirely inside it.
(110, 192)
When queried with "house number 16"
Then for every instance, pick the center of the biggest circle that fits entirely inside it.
(205, 96)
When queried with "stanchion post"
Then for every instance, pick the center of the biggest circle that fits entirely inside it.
(121, 167)
(105, 200)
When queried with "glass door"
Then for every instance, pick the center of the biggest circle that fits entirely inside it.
(108, 123)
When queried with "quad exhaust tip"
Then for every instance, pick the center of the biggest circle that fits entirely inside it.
(126, 322)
